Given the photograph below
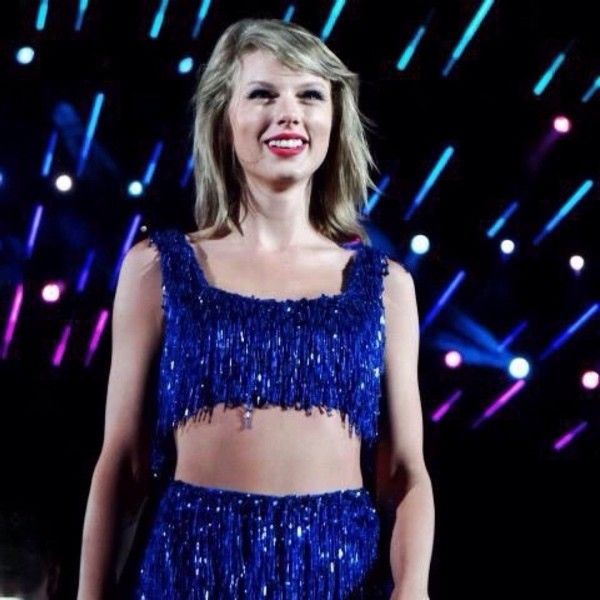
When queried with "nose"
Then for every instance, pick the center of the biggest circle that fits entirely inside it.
(287, 111)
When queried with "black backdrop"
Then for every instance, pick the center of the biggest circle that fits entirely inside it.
(514, 519)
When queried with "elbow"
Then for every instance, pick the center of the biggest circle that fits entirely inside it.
(405, 477)
(124, 478)
(409, 473)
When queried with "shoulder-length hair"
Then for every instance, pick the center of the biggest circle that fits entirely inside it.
(339, 186)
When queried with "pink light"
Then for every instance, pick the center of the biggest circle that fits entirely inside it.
(569, 436)
(100, 323)
(453, 359)
(445, 406)
(12, 320)
(51, 291)
(562, 124)
(59, 351)
(589, 380)
(500, 401)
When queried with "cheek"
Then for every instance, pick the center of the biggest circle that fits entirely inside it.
(323, 124)
(323, 130)
(248, 129)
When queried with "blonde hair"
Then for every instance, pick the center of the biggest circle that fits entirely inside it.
(340, 184)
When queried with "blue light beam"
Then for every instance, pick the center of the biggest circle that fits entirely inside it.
(135, 223)
(81, 10)
(430, 181)
(187, 171)
(566, 208)
(557, 342)
(587, 95)
(289, 13)
(85, 271)
(502, 219)
(548, 75)
(374, 197)
(159, 17)
(411, 48)
(336, 9)
(89, 132)
(467, 35)
(49, 154)
(40, 21)
(444, 298)
(202, 12)
(151, 167)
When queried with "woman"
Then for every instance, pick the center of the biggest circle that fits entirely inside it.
(269, 323)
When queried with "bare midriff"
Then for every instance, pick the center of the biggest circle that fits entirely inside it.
(283, 452)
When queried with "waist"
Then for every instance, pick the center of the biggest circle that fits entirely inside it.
(282, 452)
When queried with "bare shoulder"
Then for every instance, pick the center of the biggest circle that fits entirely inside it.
(399, 284)
(142, 254)
(140, 281)
(141, 264)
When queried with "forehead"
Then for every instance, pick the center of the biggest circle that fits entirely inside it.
(265, 67)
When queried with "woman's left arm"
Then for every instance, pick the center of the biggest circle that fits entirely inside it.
(411, 544)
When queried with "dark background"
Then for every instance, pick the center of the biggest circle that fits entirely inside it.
(514, 518)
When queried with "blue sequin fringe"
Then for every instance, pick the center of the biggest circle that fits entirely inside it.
(219, 347)
(211, 543)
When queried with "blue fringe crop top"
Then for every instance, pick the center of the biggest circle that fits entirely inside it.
(224, 347)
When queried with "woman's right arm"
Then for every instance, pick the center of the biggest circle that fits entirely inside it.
(120, 478)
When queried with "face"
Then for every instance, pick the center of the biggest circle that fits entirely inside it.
(269, 99)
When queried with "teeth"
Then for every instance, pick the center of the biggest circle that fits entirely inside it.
(295, 143)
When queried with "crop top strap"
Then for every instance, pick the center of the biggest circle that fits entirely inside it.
(375, 267)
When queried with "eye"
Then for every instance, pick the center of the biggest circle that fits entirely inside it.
(314, 93)
(256, 93)
(260, 93)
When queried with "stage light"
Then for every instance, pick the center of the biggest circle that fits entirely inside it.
(63, 183)
(564, 210)
(374, 197)
(410, 49)
(135, 188)
(468, 35)
(185, 65)
(562, 124)
(594, 87)
(51, 292)
(443, 299)
(419, 244)
(569, 331)
(453, 359)
(548, 74)
(13, 317)
(441, 410)
(569, 436)
(25, 55)
(507, 246)
(127, 243)
(433, 176)
(96, 335)
(61, 346)
(518, 368)
(502, 219)
(589, 380)
(576, 262)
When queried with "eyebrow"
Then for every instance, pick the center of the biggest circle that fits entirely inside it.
(301, 85)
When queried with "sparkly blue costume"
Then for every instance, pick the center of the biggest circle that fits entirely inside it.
(221, 347)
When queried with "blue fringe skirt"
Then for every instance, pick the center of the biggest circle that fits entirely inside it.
(215, 544)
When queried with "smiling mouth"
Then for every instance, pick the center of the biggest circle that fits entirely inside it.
(284, 151)
(302, 143)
